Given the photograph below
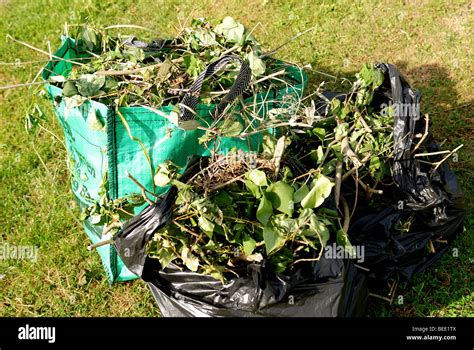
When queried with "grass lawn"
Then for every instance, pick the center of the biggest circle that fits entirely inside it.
(430, 41)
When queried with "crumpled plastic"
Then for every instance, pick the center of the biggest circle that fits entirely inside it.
(328, 287)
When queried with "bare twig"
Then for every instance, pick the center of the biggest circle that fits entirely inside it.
(347, 216)
(100, 244)
(6, 87)
(185, 229)
(338, 180)
(42, 51)
(380, 297)
(431, 154)
(449, 155)
(354, 169)
(346, 150)
(143, 190)
(294, 37)
(425, 135)
(369, 189)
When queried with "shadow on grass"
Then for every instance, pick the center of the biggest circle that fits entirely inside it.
(444, 288)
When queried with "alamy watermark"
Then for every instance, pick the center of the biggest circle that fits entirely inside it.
(335, 251)
(37, 333)
(239, 157)
(18, 252)
(401, 110)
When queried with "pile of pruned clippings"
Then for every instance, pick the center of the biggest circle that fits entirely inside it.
(279, 205)
(282, 204)
(125, 71)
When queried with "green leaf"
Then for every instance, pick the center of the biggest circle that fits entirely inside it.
(69, 89)
(320, 133)
(90, 39)
(232, 30)
(322, 188)
(269, 144)
(258, 177)
(280, 261)
(191, 261)
(110, 84)
(205, 37)
(329, 167)
(281, 196)
(301, 193)
(256, 64)
(317, 155)
(341, 131)
(90, 84)
(249, 244)
(374, 165)
(230, 128)
(194, 66)
(254, 189)
(33, 117)
(320, 228)
(164, 256)
(265, 210)
(134, 54)
(206, 225)
(273, 239)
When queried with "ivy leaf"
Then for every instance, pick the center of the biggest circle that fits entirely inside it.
(322, 188)
(320, 133)
(134, 54)
(320, 228)
(317, 155)
(164, 256)
(258, 177)
(273, 239)
(205, 37)
(281, 196)
(90, 38)
(374, 165)
(110, 84)
(254, 189)
(194, 66)
(248, 244)
(69, 89)
(232, 30)
(33, 118)
(90, 84)
(206, 225)
(256, 64)
(301, 193)
(230, 128)
(265, 210)
(269, 144)
(191, 261)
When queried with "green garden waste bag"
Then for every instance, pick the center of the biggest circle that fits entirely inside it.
(103, 149)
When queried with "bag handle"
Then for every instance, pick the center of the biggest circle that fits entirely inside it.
(241, 83)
